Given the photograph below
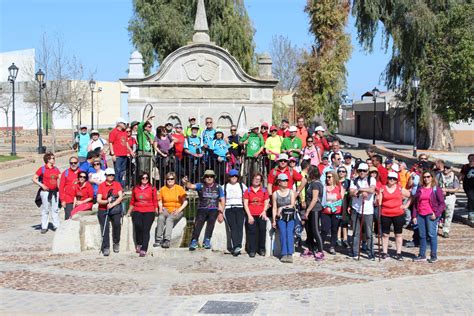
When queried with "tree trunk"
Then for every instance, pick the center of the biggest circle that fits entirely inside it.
(53, 134)
(72, 125)
(436, 135)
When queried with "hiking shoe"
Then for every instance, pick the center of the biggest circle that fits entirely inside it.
(142, 253)
(445, 235)
(289, 259)
(371, 257)
(307, 254)
(106, 252)
(236, 251)
(339, 242)
(138, 248)
(345, 243)
(193, 245)
(433, 260)
(419, 259)
(383, 256)
(116, 248)
(332, 251)
(157, 244)
(284, 259)
(410, 244)
(207, 243)
(165, 244)
(398, 257)
(319, 256)
(43, 231)
(252, 254)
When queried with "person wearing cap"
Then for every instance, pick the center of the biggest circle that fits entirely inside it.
(119, 149)
(207, 136)
(192, 122)
(324, 162)
(235, 148)
(388, 165)
(66, 186)
(134, 129)
(283, 131)
(283, 210)
(82, 141)
(302, 131)
(234, 211)
(210, 207)
(282, 167)
(109, 198)
(178, 139)
(193, 149)
(392, 211)
(264, 131)
(349, 164)
(254, 144)
(312, 151)
(273, 145)
(292, 145)
(450, 184)
(319, 140)
(219, 149)
(362, 191)
(98, 143)
(383, 173)
(96, 175)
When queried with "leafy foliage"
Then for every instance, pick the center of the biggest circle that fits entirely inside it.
(159, 27)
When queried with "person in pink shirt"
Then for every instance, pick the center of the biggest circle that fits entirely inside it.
(312, 151)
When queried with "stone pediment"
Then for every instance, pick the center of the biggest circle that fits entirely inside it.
(200, 64)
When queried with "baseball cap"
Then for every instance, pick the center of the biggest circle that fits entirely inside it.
(326, 155)
(219, 130)
(363, 166)
(448, 165)
(395, 167)
(282, 176)
(209, 173)
(388, 161)
(273, 128)
(292, 159)
(169, 124)
(195, 127)
(255, 126)
(285, 120)
(392, 174)
(320, 128)
(373, 169)
(292, 129)
(347, 155)
(83, 126)
(134, 123)
(109, 171)
(233, 172)
(265, 124)
(178, 125)
(121, 120)
(192, 117)
(282, 157)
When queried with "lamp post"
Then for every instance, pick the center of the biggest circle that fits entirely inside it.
(13, 71)
(92, 86)
(39, 76)
(375, 94)
(415, 83)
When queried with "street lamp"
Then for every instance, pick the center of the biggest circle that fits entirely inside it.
(92, 86)
(13, 70)
(39, 76)
(375, 94)
(415, 83)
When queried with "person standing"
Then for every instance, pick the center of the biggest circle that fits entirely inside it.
(109, 197)
(302, 131)
(335, 163)
(467, 177)
(427, 208)
(210, 208)
(292, 145)
(163, 145)
(207, 137)
(193, 148)
(403, 175)
(336, 149)
(66, 186)
(283, 131)
(332, 209)
(449, 183)
(96, 175)
(192, 122)
(99, 144)
(348, 164)
(119, 149)
(47, 178)
(235, 149)
(218, 152)
(273, 145)
(256, 202)
(145, 141)
(178, 139)
(311, 151)
(171, 207)
(345, 218)
(144, 205)
(324, 162)
(84, 195)
(283, 201)
(282, 167)
(383, 173)
(264, 131)
(82, 141)
(254, 146)
(320, 141)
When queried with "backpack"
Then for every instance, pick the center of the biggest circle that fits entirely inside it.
(43, 169)
(241, 189)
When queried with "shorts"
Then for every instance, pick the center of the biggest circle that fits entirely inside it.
(397, 221)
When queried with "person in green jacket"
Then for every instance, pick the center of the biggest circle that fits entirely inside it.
(254, 145)
(192, 122)
(292, 145)
(145, 145)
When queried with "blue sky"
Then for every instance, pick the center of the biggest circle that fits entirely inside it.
(96, 32)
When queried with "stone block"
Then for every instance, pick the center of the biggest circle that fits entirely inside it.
(67, 238)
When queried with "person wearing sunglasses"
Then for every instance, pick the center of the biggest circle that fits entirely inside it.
(66, 186)
(178, 148)
(218, 150)
(207, 137)
(332, 209)
(143, 207)
(312, 151)
(302, 131)
(99, 144)
(449, 183)
(282, 167)
(292, 145)
(210, 207)
(171, 207)
(96, 175)
(428, 205)
(392, 210)
(254, 145)
(273, 145)
(346, 201)
(235, 148)
(47, 178)
(84, 194)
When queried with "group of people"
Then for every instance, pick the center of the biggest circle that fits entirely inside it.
(309, 186)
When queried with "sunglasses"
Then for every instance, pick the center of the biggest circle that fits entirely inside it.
(361, 170)
(73, 163)
(392, 178)
(328, 177)
(145, 178)
(285, 161)
(97, 164)
(110, 175)
(309, 141)
(82, 177)
(342, 171)
(263, 127)
(52, 158)
(208, 122)
(206, 177)
(427, 177)
(233, 130)
(234, 176)
(170, 179)
(286, 180)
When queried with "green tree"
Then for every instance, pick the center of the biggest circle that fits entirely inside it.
(323, 71)
(433, 40)
(159, 27)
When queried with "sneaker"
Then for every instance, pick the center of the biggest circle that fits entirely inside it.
(43, 231)
(252, 254)
(157, 244)
(398, 257)
(116, 248)
(165, 244)
(142, 253)
(332, 251)
(433, 260)
(193, 245)
(106, 252)
(261, 252)
(307, 254)
(371, 257)
(345, 243)
(339, 242)
(284, 259)
(289, 259)
(319, 256)
(419, 259)
(410, 244)
(236, 251)
(54, 229)
(207, 243)
(138, 248)
(383, 256)
(445, 235)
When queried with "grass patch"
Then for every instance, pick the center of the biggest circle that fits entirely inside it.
(4, 158)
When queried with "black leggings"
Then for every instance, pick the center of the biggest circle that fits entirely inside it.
(142, 222)
(235, 219)
(312, 227)
(116, 227)
(330, 223)
(202, 216)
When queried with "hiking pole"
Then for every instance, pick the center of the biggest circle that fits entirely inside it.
(360, 229)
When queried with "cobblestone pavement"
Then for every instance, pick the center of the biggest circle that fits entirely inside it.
(177, 282)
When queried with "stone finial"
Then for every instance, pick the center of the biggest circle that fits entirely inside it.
(265, 66)
(135, 65)
(200, 25)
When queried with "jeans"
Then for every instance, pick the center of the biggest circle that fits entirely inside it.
(166, 222)
(256, 234)
(142, 222)
(48, 207)
(428, 228)
(367, 227)
(120, 167)
(287, 238)
(330, 223)
(450, 201)
(203, 216)
(234, 217)
(116, 228)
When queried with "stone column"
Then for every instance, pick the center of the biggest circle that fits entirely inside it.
(135, 66)
(265, 66)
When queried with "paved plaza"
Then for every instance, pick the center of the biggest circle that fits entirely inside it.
(179, 282)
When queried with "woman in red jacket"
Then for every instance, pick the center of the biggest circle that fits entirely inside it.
(144, 205)
(391, 198)
(83, 194)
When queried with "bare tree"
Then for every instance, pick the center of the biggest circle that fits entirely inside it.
(5, 104)
(285, 57)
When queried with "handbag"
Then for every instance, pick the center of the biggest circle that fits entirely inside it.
(117, 209)
(287, 214)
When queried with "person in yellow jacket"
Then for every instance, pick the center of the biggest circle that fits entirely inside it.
(273, 145)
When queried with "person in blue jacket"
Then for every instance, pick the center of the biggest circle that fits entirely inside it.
(220, 148)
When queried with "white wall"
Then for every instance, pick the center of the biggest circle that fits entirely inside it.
(23, 59)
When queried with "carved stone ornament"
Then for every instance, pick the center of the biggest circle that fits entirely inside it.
(201, 67)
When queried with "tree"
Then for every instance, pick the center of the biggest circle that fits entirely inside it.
(435, 41)
(323, 71)
(286, 59)
(159, 27)
(5, 104)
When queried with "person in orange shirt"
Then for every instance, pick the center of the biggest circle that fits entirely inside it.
(403, 175)
(171, 204)
(302, 131)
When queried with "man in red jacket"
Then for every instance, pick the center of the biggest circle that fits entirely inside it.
(383, 173)
(283, 131)
(66, 186)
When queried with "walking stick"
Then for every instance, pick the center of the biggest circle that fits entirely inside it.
(360, 229)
